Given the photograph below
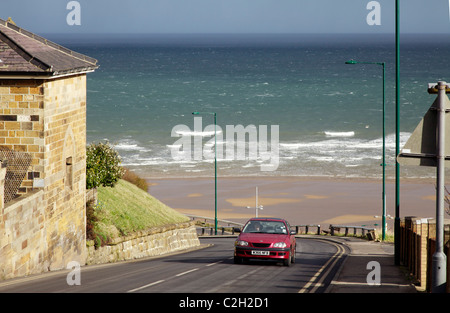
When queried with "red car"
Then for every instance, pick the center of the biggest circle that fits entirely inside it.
(266, 238)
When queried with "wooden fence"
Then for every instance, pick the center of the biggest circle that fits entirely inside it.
(417, 246)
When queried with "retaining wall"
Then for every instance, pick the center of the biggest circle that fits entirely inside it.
(152, 242)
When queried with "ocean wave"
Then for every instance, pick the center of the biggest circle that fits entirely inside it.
(130, 145)
(339, 155)
(195, 133)
(339, 134)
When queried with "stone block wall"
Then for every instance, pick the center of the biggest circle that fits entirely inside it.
(22, 123)
(64, 169)
(23, 247)
(153, 242)
(47, 119)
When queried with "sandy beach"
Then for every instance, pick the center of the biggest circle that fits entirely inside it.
(300, 200)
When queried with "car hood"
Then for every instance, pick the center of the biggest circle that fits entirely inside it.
(263, 238)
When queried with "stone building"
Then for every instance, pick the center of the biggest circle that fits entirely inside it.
(42, 153)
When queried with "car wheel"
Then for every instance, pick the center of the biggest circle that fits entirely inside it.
(287, 262)
(237, 260)
(293, 258)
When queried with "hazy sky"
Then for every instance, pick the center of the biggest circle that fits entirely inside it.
(227, 16)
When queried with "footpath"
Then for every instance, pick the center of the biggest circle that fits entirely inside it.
(373, 262)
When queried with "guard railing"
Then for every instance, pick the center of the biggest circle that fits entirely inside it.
(370, 232)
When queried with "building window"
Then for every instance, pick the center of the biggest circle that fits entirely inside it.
(69, 173)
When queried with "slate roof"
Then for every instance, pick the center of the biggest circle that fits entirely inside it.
(24, 53)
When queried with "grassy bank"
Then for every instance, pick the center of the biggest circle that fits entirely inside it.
(125, 209)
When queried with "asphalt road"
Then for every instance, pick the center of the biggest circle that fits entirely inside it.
(207, 270)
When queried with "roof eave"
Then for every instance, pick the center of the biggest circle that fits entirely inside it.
(44, 75)
(91, 63)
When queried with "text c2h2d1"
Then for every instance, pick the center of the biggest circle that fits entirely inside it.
(258, 148)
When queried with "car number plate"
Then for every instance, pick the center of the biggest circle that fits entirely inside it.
(257, 252)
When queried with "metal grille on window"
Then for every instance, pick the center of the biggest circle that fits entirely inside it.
(17, 164)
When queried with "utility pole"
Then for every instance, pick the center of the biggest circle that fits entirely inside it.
(439, 260)
(427, 147)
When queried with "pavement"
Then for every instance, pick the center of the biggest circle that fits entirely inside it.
(369, 267)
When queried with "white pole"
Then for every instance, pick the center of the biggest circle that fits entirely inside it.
(256, 202)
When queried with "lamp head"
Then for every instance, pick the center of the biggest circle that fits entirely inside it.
(195, 113)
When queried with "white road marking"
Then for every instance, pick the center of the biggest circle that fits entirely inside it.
(187, 272)
(177, 275)
(339, 253)
(149, 285)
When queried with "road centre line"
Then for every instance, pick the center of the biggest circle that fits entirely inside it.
(145, 286)
(162, 280)
(339, 253)
(177, 275)
(187, 272)
(233, 281)
(211, 264)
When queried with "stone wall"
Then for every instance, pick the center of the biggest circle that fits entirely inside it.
(152, 242)
(23, 246)
(65, 169)
(22, 123)
(47, 120)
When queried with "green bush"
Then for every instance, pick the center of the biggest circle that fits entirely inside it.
(135, 179)
(102, 166)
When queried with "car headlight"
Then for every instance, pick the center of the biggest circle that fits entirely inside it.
(279, 245)
(241, 243)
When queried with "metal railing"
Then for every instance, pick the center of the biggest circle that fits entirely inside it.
(222, 230)
(364, 230)
(226, 228)
(298, 228)
(231, 228)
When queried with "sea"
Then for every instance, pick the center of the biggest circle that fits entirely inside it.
(326, 116)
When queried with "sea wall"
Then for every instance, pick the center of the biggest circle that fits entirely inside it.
(152, 242)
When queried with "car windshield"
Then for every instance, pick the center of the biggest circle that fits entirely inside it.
(265, 227)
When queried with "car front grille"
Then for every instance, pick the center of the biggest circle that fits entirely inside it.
(260, 245)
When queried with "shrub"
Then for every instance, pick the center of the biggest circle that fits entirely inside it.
(91, 220)
(133, 178)
(102, 166)
(92, 229)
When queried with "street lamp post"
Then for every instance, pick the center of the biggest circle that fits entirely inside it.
(384, 142)
(257, 207)
(215, 166)
(397, 135)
